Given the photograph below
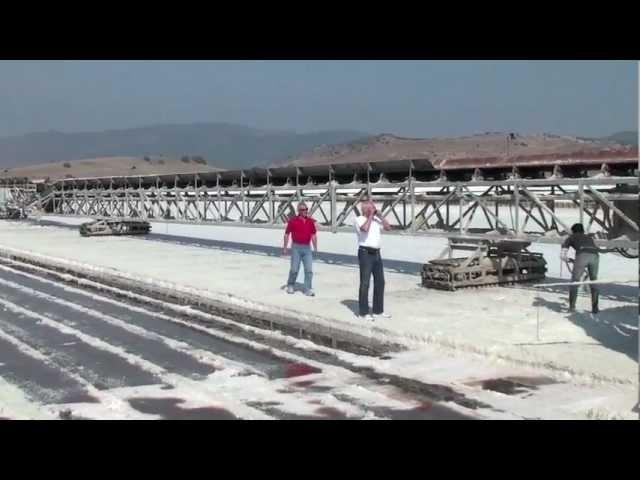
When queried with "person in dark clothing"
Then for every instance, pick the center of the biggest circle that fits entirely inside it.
(587, 258)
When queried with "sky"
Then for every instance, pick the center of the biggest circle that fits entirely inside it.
(406, 98)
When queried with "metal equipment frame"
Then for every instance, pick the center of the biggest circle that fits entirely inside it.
(416, 197)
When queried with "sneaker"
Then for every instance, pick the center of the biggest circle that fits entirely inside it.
(310, 293)
(365, 317)
(290, 290)
(381, 315)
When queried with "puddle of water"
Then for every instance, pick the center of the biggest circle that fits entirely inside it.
(331, 413)
(299, 370)
(320, 388)
(512, 385)
(292, 370)
(502, 385)
(263, 404)
(424, 407)
(533, 381)
(303, 384)
(425, 411)
(311, 386)
(42, 382)
(170, 409)
(321, 414)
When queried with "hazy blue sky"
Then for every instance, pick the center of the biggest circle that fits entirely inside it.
(412, 98)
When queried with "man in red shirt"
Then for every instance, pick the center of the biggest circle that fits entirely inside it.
(302, 230)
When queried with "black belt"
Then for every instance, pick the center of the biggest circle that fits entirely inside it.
(370, 249)
(589, 250)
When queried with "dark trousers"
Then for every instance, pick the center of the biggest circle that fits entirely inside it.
(371, 264)
(590, 262)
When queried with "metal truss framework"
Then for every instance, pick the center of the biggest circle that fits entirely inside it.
(518, 206)
(20, 193)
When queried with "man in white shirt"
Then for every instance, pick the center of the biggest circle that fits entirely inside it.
(369, 228)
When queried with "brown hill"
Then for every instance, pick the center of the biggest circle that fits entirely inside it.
(109, 166)
(489, 145)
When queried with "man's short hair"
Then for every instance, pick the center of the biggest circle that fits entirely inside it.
(577, 228)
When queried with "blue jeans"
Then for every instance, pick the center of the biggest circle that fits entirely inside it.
(301, 253)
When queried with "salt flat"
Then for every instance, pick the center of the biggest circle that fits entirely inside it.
(514, 326)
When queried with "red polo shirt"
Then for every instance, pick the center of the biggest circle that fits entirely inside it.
(301, 229)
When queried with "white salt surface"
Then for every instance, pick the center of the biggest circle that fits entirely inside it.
(500, 325)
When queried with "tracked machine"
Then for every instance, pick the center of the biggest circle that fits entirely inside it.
(488, 262)
(103, 227)
(11, 212)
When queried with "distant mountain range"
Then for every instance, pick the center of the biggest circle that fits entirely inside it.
(163, 149)
(625, 138)
(222, 145)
